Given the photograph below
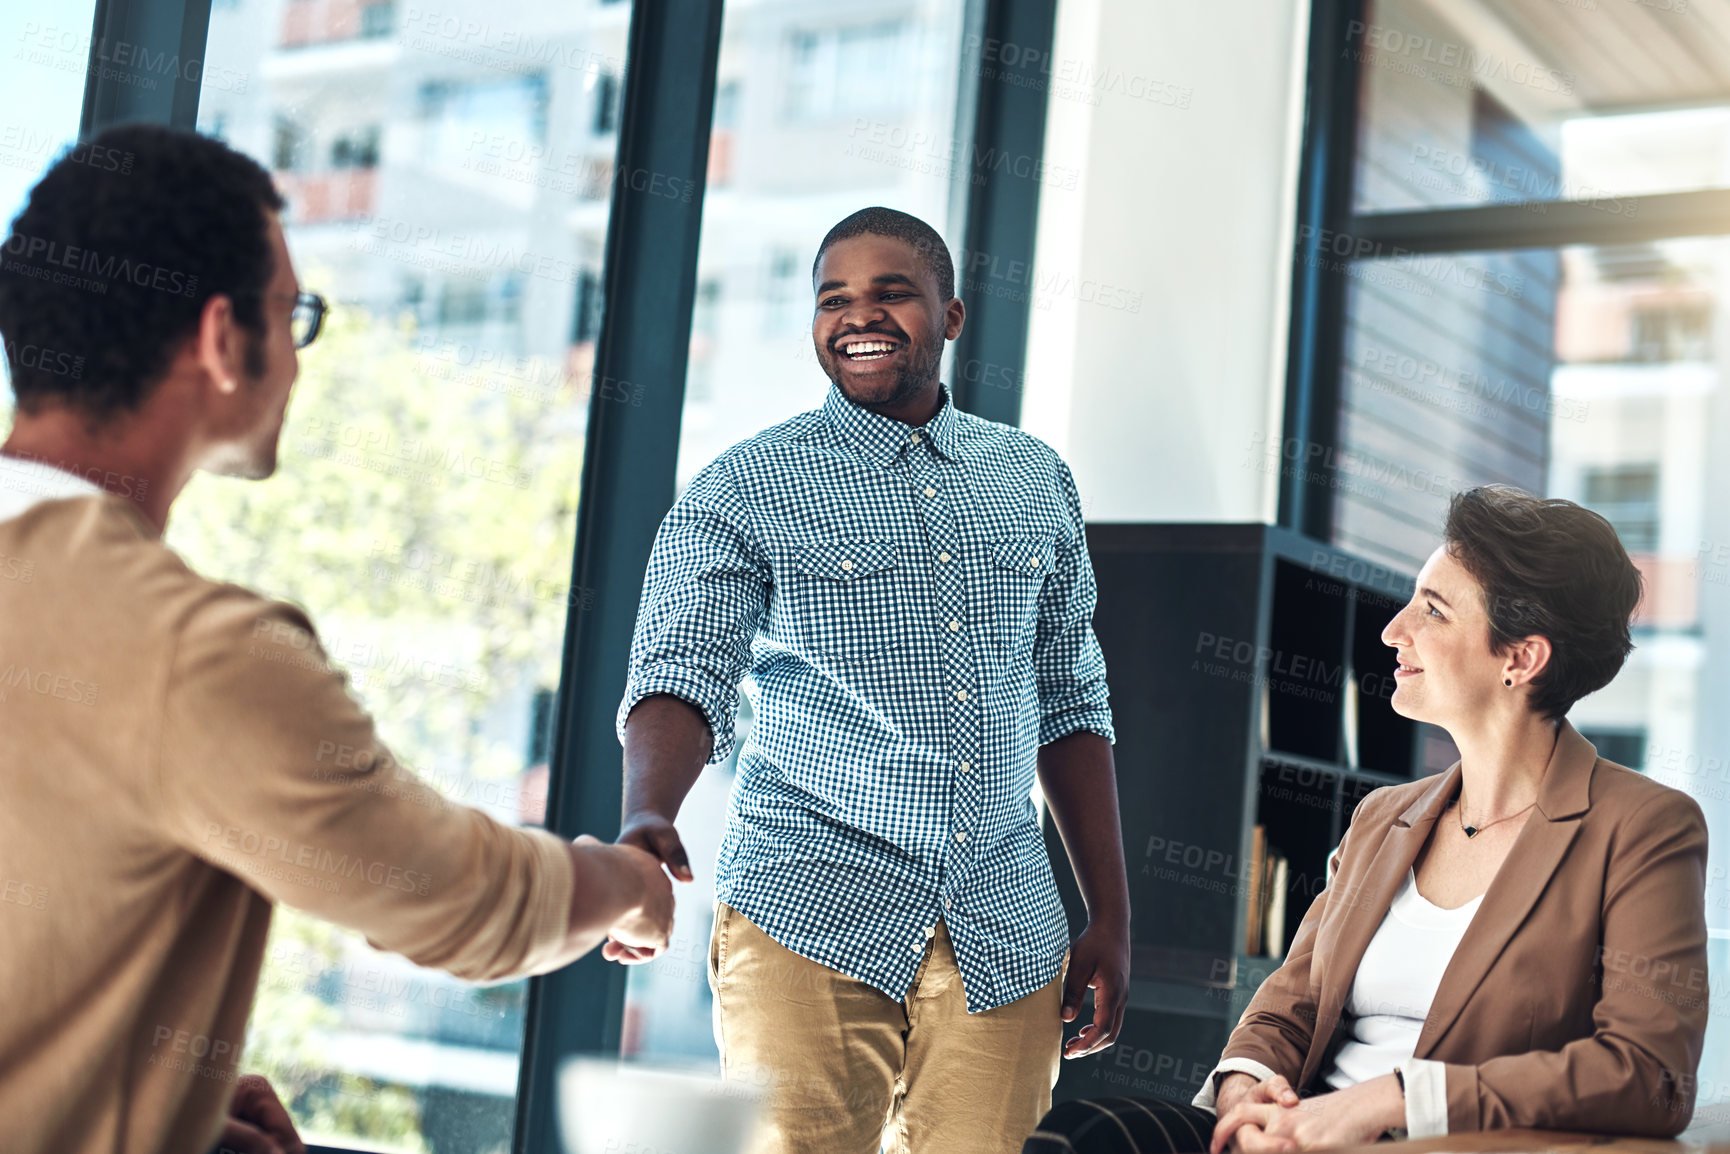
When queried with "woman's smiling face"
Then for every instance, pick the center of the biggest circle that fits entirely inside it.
(1447, 673)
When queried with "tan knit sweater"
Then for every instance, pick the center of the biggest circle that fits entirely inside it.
(175, 756)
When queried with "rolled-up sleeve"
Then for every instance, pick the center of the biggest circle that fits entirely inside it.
(1208, 1096)
(704, 595)
(1426, 1085)
(1068, 668)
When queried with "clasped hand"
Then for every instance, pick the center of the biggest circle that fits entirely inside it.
(655, 840)
(257, 1122)
(1269, 1117)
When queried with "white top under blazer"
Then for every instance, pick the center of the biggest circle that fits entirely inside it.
(1391, 995)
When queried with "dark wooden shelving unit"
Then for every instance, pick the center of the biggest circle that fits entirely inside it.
(1249, 685)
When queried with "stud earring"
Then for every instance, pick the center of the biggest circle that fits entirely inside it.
(1508, 681)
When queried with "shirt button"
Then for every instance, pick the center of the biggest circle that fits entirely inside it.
(930, 492)
(1034, 562)
(960, 835)
(954, 626)
(846, 566)
(943, 557)
(967, 767)
(947, 904)
(961, 695)
(914, 438)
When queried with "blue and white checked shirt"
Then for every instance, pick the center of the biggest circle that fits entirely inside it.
(915, 605)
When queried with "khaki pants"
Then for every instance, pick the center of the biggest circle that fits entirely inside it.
(850, 1068)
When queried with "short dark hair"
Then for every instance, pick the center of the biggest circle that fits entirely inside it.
(1551, 568)
(901, 226)
(114, 256)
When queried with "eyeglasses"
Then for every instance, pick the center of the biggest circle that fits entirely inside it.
(307, 319)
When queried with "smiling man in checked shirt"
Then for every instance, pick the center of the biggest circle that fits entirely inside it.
(910, 587)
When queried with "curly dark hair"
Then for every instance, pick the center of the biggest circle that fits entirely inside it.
(900, 226)
(114, 256)
(1554, 569)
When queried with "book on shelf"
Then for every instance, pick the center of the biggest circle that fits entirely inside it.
(1252, 907)
(1264, 726)
(1350, 711)
(1273, 931)
(1267, 869)
(1264, 908)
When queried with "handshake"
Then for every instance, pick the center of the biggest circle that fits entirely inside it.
(623, 895)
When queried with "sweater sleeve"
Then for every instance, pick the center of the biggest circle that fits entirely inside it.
(269, 769)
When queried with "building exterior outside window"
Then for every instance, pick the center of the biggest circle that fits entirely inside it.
(838, 70)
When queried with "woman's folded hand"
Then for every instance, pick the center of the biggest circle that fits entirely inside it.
(1239, 1089)
(1268, 1119)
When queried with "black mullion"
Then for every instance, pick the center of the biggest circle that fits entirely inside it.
(1318, 278)
(146, 64)
(1006, 155)
(650, 279)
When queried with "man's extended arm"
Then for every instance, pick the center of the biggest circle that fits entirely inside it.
(270, 769)
(667, 743)
(1079, 781)
(704, 595)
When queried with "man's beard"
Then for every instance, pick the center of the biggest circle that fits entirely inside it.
(252, 357)
(917, 369)
(256, 461)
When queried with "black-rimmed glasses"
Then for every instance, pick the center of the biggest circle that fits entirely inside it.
(307, 319)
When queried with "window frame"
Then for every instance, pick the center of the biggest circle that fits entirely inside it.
(1326, 190)
(665, 113)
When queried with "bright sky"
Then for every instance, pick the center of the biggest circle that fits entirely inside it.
(44, 45)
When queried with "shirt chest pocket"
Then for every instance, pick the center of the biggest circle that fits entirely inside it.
(847, 601)
(1017, 574)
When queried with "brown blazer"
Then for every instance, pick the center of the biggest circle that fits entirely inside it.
(1576, 999)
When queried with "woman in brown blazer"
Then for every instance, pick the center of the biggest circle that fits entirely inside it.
(1573, 997)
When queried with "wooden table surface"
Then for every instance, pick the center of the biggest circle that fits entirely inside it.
(1709, 1132)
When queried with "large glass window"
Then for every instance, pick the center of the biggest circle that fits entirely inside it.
(1507, 101)
(448, 172)
(819, 112)
(1524, 303)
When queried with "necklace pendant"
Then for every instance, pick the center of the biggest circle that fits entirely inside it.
(1471, 831)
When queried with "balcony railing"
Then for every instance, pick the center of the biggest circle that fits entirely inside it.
(1672, 591)
(325, 197)
(309, 22)
(720, 172)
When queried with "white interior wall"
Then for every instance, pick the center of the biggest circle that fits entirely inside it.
(1158, 347)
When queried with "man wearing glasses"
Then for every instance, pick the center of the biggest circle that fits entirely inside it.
(172, 763)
